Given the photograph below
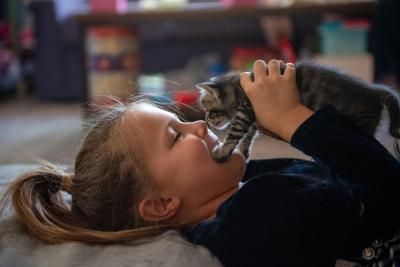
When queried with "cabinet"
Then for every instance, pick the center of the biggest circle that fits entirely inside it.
(168, 38)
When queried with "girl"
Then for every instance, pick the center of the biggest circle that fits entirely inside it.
(141, 171)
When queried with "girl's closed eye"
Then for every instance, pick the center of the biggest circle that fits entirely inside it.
(177, 137)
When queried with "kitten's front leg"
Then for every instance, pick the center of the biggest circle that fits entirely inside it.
(239, 126)
(223, 151)
(245, 142)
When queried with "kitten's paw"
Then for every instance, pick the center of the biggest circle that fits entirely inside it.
(220, 154)
(244, 148)
(245, 152)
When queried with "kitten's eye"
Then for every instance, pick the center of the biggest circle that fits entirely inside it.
(215, 114)
(212, 115)
(177, 137)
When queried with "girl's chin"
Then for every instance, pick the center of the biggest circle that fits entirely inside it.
(238, 161)
(237, 156)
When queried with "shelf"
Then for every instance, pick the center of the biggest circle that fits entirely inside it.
(218, 12)
(156, 23)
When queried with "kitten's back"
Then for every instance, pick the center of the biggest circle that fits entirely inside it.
(322, 85)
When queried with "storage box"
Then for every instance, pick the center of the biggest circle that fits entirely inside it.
(108, 5)
(232, 3)
(343, 38)
(361, 65)
(113, 61)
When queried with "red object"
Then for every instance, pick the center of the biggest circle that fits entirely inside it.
(26, 38)
(357, 23)
(186, 97)
(108, 5)
(5, 34)
(243, 57)
(287, 50)
(111, 31)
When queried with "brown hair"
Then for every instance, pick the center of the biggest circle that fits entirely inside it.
(110, 178)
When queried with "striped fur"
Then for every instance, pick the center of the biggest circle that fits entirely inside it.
(225, 103)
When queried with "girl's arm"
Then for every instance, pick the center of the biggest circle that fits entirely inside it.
(358, 161)
(329, 137)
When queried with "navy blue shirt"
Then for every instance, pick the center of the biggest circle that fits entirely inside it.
(293, 212)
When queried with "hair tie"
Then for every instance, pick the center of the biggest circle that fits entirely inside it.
(66, 183)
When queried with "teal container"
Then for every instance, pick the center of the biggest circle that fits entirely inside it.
(343, 39)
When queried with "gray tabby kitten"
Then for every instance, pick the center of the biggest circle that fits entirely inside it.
(225, 102)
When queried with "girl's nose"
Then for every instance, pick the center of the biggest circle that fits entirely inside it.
(200, 128)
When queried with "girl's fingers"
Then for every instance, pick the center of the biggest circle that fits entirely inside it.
(259, 69)
(290, 71)
(245, 80)
(273, 68)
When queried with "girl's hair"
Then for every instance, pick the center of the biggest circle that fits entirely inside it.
(109, 181)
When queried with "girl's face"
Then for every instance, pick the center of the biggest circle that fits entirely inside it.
(178, 155)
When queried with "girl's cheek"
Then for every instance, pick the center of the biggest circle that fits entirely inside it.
(197, 148)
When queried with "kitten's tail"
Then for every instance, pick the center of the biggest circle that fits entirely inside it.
(391, 101)
(396, 148)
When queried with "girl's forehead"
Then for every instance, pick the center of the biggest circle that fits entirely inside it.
(150, 125)
(148, 111)
(149, 122)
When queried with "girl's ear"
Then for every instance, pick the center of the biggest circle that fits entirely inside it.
(155, 209)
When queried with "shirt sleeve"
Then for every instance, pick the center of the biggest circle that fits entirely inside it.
(348, 151)
(358, 161)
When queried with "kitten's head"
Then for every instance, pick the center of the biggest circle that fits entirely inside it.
(218, 99)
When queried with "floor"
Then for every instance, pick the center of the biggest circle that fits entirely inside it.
(31, 130)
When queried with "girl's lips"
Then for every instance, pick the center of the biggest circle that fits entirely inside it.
(216, 143)
(211, 141)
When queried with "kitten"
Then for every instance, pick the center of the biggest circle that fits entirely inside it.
(225, 102)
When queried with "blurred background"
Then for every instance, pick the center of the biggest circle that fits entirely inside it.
(59, 56)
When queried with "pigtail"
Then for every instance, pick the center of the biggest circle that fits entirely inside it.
(38, 204)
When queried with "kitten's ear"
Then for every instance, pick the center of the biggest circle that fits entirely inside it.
(208, 88)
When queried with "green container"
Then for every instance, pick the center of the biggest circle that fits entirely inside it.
(339, 39)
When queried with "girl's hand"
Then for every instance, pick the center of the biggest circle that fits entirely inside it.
(275, 98)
